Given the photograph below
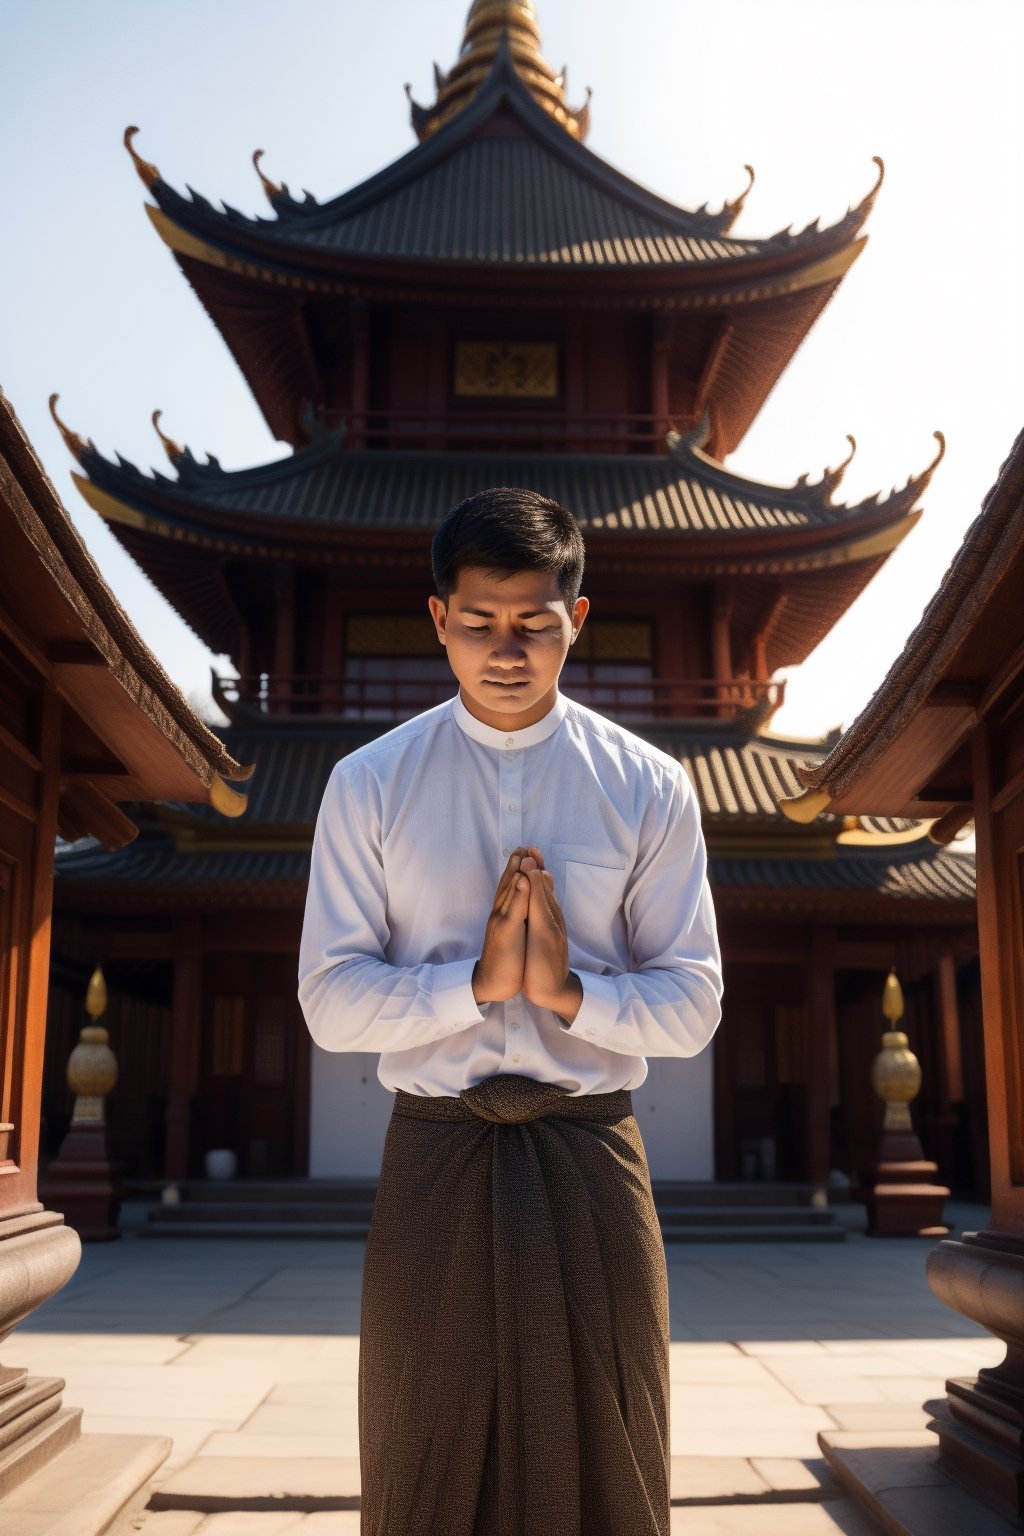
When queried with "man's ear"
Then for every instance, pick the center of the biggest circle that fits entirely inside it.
(439, 614)
(580, 609)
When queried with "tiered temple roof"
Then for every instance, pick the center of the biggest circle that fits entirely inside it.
(499, 204)
(331, 503)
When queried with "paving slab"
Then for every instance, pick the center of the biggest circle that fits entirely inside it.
(250, 1362)
(230, 1483)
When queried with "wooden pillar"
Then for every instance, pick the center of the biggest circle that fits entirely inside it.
(360, 381)
(721, 648)
(28, 1094)
(282, 681)
(437, 378)
(186, 1019)
(821, 1027)
(38, 1252)
(949, 1020)
(982, 1276)
(661, 333)
(575, 368)
(332, 664)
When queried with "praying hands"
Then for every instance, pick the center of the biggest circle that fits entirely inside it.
(525, 945)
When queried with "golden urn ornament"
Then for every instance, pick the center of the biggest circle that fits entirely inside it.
(896, 1071)
(92, 1066)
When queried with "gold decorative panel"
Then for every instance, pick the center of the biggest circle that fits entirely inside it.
(391, 634)
(613, 640)
(526, 370)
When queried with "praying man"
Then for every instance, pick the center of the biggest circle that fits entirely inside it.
(508, 900)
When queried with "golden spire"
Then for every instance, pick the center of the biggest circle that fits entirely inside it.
(489, 23)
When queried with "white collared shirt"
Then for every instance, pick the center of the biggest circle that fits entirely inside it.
(413, 833)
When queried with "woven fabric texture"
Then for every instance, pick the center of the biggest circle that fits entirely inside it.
(513, 1368)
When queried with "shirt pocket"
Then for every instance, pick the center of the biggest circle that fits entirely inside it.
(593, 885)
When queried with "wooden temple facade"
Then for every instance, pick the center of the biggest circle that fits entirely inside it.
(501, 306)
(88, 719)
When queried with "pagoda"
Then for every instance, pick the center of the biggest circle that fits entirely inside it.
(502, 306)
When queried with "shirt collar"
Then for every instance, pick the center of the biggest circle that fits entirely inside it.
(525, 736)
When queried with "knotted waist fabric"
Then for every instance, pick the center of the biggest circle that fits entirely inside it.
(513, 1366)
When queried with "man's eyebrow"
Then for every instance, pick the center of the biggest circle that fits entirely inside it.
(488, 613)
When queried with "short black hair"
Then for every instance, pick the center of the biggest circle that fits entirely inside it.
(509, 529)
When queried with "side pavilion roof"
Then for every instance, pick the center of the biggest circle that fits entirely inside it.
(758, 861)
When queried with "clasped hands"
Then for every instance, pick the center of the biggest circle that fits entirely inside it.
(525, 945)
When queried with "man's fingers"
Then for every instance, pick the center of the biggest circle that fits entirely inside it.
(518, 887)
(519, 900)
(535, 853)
(507, 876)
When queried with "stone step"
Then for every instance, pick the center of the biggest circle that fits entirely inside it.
(98, 1482)
(754, 1234)
(804, 1232)
(344, 1215)
(299, 1191)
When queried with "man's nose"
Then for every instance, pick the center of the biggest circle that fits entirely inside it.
(508, 653)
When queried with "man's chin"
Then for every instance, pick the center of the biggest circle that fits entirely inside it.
(507, 698)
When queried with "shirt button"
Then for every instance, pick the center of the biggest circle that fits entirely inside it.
(515, 1026)
(588, 1031)
(511, 805)
(504, 853)
(517, 1058)
(509, 741)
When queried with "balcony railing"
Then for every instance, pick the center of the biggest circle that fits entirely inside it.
(508, 429)
(317, 697)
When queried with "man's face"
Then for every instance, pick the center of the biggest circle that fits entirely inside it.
(507, 637)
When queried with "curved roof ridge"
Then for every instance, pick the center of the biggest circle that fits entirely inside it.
(294, 217)
(801, 496)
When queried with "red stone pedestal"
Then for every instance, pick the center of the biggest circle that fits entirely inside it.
(982, 1440)
(84, 1184)
(899, 1191)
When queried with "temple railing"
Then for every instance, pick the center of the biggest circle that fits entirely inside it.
(527, 431)
(346, 698)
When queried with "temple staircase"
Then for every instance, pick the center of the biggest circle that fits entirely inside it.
(341, 1208)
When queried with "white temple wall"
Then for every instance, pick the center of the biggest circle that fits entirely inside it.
(349, 1113)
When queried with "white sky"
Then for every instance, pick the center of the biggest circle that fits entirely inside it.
(925, 331)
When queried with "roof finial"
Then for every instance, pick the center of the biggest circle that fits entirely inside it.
(733, 209)
(832, 478)
(173, 450)
(78, 446)
(940, 438)
(500, 32)
(271, 188)
(148, 173)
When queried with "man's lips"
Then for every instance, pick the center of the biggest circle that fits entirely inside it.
(501, 682)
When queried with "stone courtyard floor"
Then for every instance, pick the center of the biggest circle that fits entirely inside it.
(244, 1353)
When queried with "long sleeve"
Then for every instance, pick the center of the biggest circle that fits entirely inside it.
(669, 1003)
(353, 1000)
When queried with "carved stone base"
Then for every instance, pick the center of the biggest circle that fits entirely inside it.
(38, 1254)
(982, 1442)
(84, 1184)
